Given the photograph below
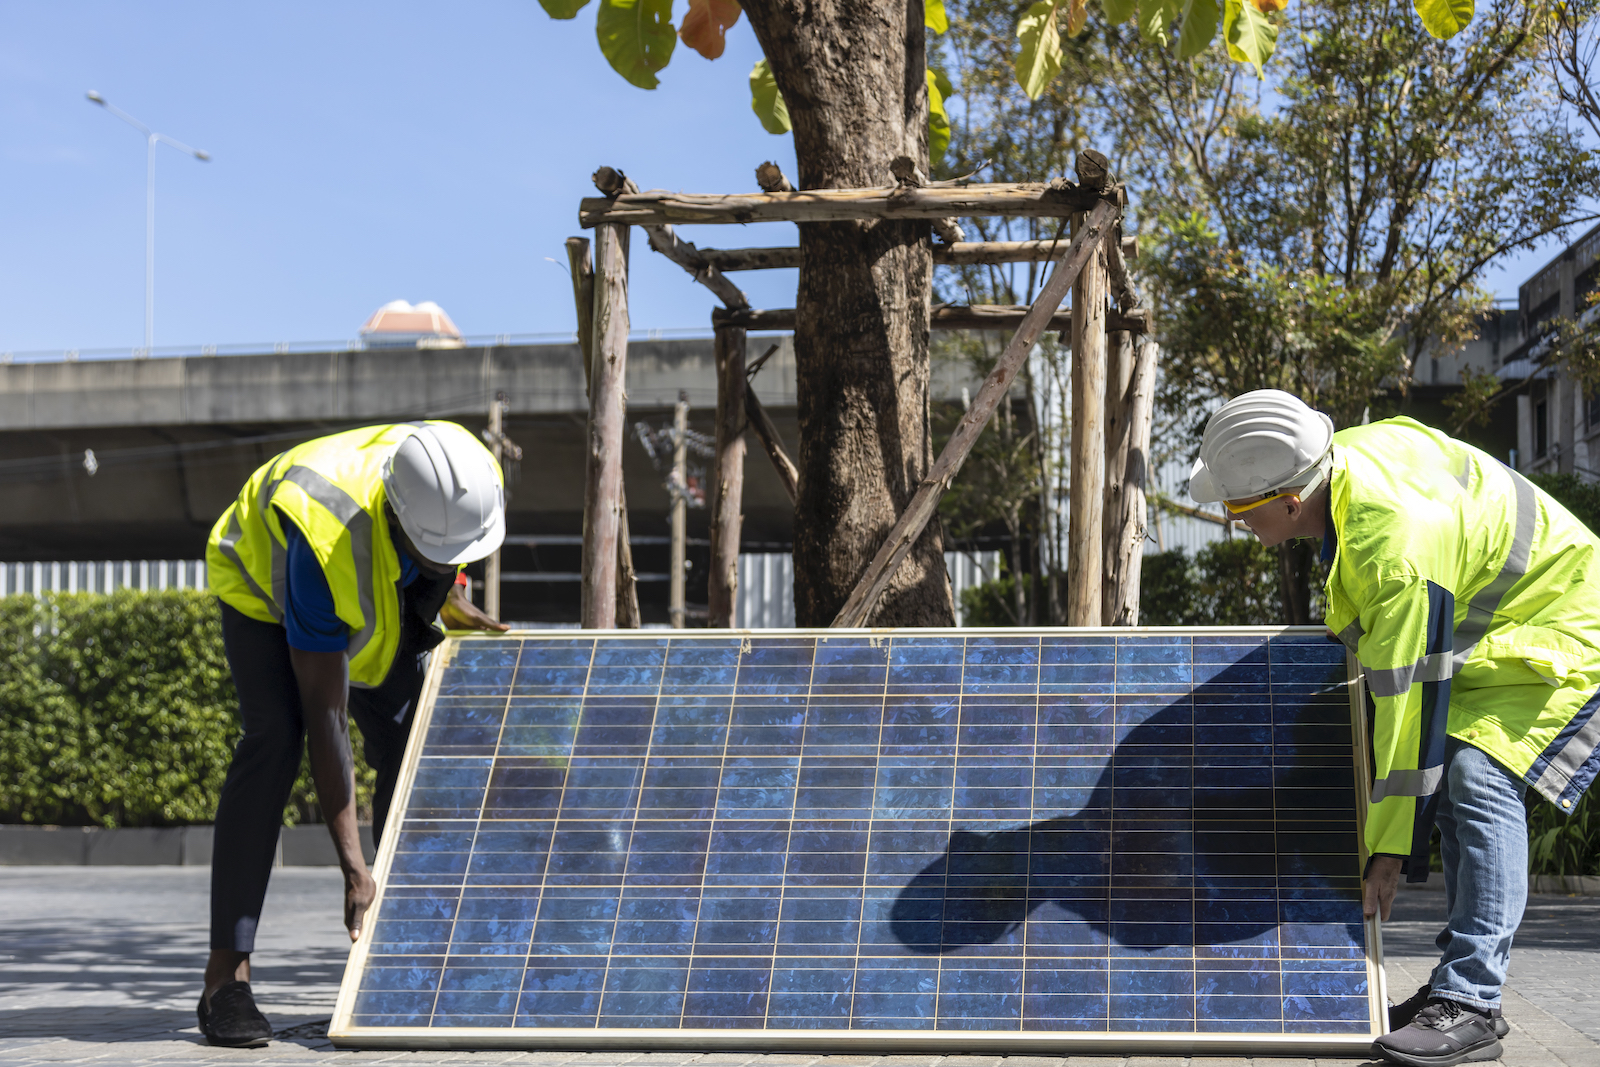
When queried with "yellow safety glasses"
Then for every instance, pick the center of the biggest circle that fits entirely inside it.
(1240, 510)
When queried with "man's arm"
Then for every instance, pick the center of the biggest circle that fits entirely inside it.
(323, 678)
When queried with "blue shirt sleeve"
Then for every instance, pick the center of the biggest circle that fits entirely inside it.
(308, 614)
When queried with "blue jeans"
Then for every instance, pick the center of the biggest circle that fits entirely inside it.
(1483, 831)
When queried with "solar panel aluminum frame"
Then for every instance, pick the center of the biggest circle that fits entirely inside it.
(345, 1034)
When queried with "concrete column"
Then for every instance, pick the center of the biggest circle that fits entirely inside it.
(1580, 440)
(1524, 431)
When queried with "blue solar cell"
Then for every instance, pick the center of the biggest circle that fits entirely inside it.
(1057, 833)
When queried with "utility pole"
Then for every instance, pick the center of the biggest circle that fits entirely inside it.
(680, 509)
(497, 441)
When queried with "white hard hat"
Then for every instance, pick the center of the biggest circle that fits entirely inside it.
(1258, 442)
(447, 492)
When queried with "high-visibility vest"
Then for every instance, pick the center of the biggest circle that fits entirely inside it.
(1471, 599)
(332, 489)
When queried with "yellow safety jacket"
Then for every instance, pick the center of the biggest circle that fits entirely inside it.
(1470, 598)
(332, 489)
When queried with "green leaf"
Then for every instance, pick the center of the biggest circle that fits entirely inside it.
(1118, 11)
(637, 38)
(1444, 18)
(1199, 25)
(938, 119)
(1040, 60)
(933, 16)
(1251, 36)
(1155, 19)
(562, 9)
(766, 101)
(947, 88)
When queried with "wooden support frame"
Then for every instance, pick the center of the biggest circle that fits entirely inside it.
(858, 607)
(772, 443)
(1096, 250)
(944, 317)
(659, 207)
(961, 253)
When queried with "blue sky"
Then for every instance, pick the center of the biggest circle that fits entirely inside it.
(361, 153)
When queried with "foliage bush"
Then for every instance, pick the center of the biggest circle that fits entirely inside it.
(990, 603)
(1226, 583)
(118, 710)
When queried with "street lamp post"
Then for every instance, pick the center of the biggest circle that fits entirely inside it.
(151, 138)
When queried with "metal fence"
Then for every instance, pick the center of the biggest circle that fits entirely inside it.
(766, 580)
(101, 576)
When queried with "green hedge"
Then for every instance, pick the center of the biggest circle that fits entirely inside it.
(119, 711)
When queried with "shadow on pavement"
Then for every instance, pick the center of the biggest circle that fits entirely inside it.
(125, 1024)
(1569, 924)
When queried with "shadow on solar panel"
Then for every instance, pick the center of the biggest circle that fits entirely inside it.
(914, 839)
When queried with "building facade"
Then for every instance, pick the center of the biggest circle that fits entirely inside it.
(1558, 428)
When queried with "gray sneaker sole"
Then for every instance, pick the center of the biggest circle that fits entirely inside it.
(1491, 1051)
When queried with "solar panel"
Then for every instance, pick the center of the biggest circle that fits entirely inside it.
(917, 839)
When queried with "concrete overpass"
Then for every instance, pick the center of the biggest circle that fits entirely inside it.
(174, 438)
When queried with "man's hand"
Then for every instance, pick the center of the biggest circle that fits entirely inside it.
(459, 613)
(359, 890)
(1383, 879)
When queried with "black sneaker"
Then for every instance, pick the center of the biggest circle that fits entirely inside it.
(1442, 1033)
(233, 1020)
(1402, 1013)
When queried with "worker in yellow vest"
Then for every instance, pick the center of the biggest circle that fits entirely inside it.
(1472, 600)
(332, 566)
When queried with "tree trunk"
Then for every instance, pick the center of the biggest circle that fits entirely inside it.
(853, 78)
(1297, 561)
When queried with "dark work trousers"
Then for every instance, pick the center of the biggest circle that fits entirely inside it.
(267, 761)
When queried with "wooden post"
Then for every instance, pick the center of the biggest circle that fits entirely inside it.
(627, 581)
(680, 511)
(1088, 458)
(583, 297)
(1127, 466)
(858, 607)
(602, 503)
(491, 569)
(728, 481)
(1119, 373)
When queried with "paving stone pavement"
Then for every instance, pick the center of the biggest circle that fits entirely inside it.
(101, 965)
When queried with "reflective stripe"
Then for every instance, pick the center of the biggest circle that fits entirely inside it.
(342, 506)
(1351, 635)
(228, 545)
(279, 555)
(1566, 763)
(1480, 611)
(1413, 783)
(1435, 667)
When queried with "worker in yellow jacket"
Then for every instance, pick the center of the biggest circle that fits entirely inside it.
(332, 566)
(1470, 598)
